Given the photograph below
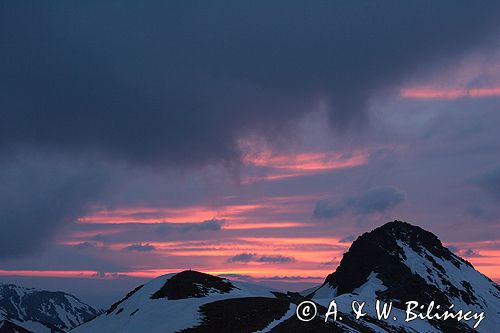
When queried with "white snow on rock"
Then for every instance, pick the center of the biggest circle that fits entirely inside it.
(140, 313)
(437, 272)
(37, 310)
(487, 296)
(367, 293)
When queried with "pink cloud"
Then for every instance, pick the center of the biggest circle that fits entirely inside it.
(449, 93)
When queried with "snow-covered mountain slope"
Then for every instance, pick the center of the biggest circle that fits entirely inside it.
(400, 262)
(175, 302)
(40, 311)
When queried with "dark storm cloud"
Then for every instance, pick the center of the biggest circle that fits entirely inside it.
(242, 257)
(86, 245)
(326, 210)
(68, 257)
(476, 211)
(180, 82)
(276, 259)
(374, 200)
(471, 253)
(490, 182)
(110, 233)
(37, 197)
(140, 248)
(252, 257)
(482, 214)
(209, 225)
(143, 233)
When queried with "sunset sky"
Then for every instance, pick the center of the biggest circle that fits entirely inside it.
(252, 141)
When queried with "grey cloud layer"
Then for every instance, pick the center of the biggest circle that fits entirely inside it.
(375, 200)
(140, 247)
(179, 82)
(490, 182)
(249, 257)
(38, 197)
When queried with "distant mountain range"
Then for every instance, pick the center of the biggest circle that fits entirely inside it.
(395, 264)
(25, 310)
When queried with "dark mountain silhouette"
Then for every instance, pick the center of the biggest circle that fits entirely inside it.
(400, 262)
(192, 284)
(9, 327)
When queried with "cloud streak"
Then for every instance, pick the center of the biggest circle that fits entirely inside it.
(252, 257)
(449, 94)
(140, 248)
(375, 200)
(490, 182)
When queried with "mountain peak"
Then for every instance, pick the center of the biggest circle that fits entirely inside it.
(400, 262)
(187, 284)
(408, 233)
(382, 251)
(397, 232)
(38, 310)
(190, 301)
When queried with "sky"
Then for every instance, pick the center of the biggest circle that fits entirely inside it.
(254, 141)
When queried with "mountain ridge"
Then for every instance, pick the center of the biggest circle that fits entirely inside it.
(37, 310)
